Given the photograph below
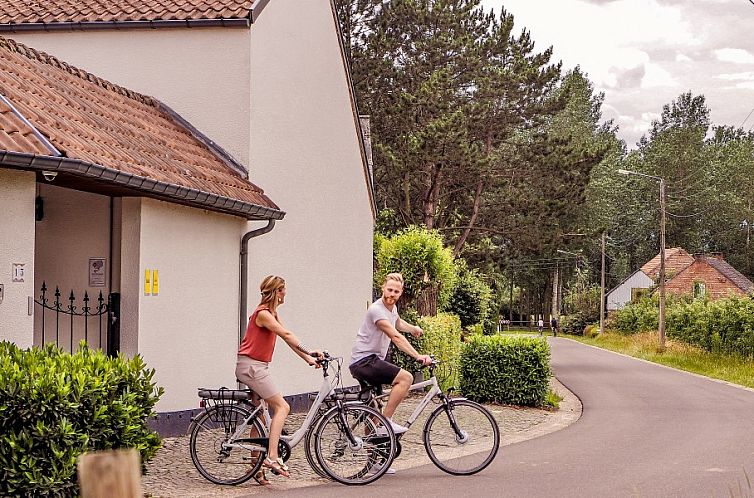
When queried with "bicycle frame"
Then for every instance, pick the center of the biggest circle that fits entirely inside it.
(325, 390)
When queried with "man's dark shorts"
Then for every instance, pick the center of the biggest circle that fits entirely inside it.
(374, 370)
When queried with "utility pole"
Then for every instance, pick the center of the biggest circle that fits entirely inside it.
(661, 327)
(661, 324)
(602, 288)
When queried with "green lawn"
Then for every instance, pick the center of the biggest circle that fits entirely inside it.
(677, 355)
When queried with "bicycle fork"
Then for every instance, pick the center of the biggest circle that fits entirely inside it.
(461, 435)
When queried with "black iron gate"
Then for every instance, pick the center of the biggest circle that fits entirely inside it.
(65, 321)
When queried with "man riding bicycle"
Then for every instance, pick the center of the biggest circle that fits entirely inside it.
(381, 326)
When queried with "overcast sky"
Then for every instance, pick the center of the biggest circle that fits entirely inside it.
(644, 53)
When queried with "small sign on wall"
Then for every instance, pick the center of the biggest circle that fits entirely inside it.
(19, 272)
(97, 276)
(147, 282)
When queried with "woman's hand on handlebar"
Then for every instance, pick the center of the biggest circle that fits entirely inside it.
(314, 358)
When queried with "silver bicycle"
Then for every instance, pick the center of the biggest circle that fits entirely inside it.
(350, 443)
(461, 437)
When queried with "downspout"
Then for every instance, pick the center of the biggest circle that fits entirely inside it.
(244, 298)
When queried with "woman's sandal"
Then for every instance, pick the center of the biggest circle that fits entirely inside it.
(277, 466)
(261, 478)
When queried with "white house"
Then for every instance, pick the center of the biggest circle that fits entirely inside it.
(627, 290)
(267, 81)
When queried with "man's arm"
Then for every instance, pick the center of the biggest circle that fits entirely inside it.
(401, 342)
(404, 326)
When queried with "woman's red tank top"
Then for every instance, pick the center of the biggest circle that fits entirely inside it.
(258, 342)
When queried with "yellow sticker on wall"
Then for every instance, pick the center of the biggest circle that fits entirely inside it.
(147, 282)
(155, 283)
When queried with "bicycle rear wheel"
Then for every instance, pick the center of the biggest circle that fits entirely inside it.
(215, 461)
(461, 438)
(364, 456)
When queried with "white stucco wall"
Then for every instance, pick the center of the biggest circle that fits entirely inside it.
(201, 73)
(305, 153)
(621, 295)
(17, 192)
(75, 228)
(189, 332)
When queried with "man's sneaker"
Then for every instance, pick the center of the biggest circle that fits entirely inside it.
(397, 429)
(377, 467)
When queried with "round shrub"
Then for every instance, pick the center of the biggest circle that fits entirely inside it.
(421, 256)
(471, 298)
(54, 406)
(513, 370)
(441, 339)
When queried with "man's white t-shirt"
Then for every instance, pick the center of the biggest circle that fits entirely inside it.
(370, 339)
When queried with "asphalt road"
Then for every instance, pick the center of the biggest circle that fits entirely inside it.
(646, 431)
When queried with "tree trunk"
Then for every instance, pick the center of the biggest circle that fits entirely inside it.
(477, 202)
(426, 303)
(555, 279)
(431, 195)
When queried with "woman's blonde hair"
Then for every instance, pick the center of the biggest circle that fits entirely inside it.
(268, 288)
(393, 276)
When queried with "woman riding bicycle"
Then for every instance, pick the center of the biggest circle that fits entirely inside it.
(255, 355)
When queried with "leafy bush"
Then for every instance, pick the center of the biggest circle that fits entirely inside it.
(724, 325)
(420, 255)
(640, 316)
(583, 298)
(471, 298)
(506, 369)
(55, 406)
(574, 324)
(442, 339)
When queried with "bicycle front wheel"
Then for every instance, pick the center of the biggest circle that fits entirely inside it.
(210, 433)
(462, 437)
(354, 444)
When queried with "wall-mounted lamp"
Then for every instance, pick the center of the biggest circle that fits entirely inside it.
(50, 175)
(39, 208)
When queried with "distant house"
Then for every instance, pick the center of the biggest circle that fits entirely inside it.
(709, 276)
(628, 290)
(268, 82)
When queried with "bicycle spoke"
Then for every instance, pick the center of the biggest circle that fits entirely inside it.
(354, 462)
(462, 440)
(209, 446)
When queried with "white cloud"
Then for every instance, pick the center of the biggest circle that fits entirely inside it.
(679, 57)
(735, 55)
(748, 75)
(656, 76)
(747, 85)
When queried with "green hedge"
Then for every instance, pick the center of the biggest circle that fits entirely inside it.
(724, 325)
(55, 406)
(640, 316)
(442, 339)
(506, 369)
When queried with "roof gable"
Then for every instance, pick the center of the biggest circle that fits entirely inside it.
(56, 110)
(52, 13)
(676, 259)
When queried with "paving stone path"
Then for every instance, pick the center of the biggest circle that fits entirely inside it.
(172, 474)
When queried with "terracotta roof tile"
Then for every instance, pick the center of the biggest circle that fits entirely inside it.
(93, 120)
(676, 259)
(68, 11)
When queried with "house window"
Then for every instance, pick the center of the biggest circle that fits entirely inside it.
(637, 293)
(700, 289)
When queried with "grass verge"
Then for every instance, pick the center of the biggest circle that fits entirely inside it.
(677, 355)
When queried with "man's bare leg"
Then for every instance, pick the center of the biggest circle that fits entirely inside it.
(401, 385)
